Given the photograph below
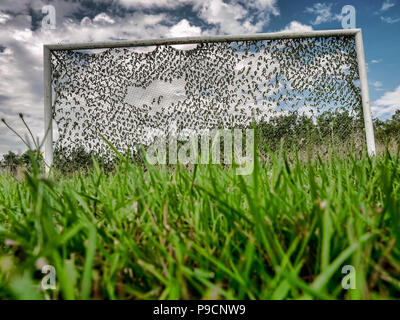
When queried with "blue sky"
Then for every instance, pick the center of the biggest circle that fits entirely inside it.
(22, 37)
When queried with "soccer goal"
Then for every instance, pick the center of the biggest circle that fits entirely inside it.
(125, 91)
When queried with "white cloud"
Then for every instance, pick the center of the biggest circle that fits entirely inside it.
(323, 13)
(376, 61)
(153, 3)
(103, 18)
(4, 18)
(234, 17)
(19, 6)
(390, 20)
(296, 26)
(264, 7)
(19, 10)
(226, 16)
(184, 29)
(378, 85)
(86, 22)
(387, 5)
(387, 104)
(268, 6)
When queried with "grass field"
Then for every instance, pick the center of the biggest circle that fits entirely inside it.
(285, 232)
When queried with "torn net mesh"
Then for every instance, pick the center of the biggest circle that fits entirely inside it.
(129, 95)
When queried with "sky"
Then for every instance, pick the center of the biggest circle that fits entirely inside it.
(22, 37)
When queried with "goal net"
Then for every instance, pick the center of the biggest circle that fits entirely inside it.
(295, 88)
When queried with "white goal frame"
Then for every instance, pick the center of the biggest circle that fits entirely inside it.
(357, 33)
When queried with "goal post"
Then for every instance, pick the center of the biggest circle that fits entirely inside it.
(49, 49)
(362, 70)
(48, 109)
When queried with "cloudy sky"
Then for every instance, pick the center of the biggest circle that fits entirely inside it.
(22, 38)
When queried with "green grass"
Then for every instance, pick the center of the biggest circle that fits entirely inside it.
(284, 232)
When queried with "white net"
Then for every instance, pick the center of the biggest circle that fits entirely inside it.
(128, 94)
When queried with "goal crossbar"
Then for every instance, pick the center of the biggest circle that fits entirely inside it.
(202, 39)
(357, 33)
